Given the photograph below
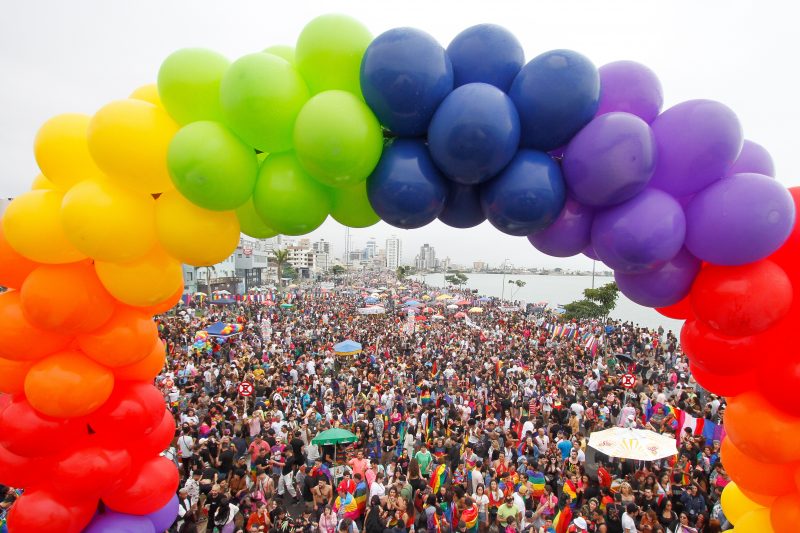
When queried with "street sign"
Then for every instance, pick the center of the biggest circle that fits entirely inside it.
(628, 381)
(245, 389)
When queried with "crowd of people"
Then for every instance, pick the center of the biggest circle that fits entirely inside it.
(468, 424)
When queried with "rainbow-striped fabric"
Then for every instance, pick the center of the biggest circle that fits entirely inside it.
(537, 482)
(425, 397)
(470, 517)
(360, 497)
(438, 478)
(346, 507)
(570, 490)
(562, 520)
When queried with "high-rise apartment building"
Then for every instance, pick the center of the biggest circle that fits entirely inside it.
(394, 252)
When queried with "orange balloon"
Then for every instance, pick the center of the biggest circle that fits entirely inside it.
(777, 435)
(12, 375)
(67, 385)
(164, 306)
(14, 268)
(761, 499)
(751, 474)
(20, 340)
(125, 339)
(785, 513)
(146, 369)
(66, 298)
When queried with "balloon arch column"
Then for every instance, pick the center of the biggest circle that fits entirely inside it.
(578, 159)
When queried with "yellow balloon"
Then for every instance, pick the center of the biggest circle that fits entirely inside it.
(147, 93)
(32, 226)
(735, 503)
(194, 235)
(108, 222)
(146, 281)
(129, 140)
(754, 522)
(40, 182)
(62, 152)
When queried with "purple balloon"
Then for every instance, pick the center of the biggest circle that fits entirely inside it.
(630, 87)
(111, 522)
(590, 253)
(164, 517)
(611, 160)
(641, 234)
(569, 234)
(739, 220)
(664, 286)
(697, 143)
(754, 159)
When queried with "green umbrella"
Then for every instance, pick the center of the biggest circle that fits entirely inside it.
(287, 306)
(334, 436)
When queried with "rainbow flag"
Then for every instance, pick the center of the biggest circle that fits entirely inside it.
(438, 478)
(470, 517)
(537, 483)
(562, 520)
(569, 490)
(347, 507)
(425, 397)
(360, 497)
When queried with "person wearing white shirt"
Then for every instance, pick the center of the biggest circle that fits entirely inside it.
(377, 488)
(628, 518)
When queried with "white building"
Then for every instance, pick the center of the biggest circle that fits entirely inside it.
(426, 260)
(322, 246)
(371, 249)
(394, 252)
(303, 259)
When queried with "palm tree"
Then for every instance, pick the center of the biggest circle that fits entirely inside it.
(280, 257)
(402, 272)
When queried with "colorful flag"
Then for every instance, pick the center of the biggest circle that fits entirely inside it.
(360, 497)
(425, 397)
(470, 518)
(569, 490)
(537, 482)
(438, 478)
(346, 507)
(562, 520)
(685, 420)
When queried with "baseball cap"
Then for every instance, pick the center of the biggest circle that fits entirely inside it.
(580, 522)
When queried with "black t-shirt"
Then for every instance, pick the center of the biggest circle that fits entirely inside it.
(297, 446)
(226, 460)
(289, 464)
(614, 517)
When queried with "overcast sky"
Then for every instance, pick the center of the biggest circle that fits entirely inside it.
(74, 56)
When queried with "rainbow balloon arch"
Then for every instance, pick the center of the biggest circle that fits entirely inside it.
(394, 128)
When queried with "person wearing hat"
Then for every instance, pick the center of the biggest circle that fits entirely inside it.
(580, 525)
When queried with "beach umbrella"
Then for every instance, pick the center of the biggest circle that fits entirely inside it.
(624, 357)
(200, 294)
(269, 302)
(452, 306)
(428, 310)
(437, 317)
(444, 297)
(347, 347)
(371, 300)
(375, 295)
(334, 436)
(463, 302)
(222, 292)
(630, 443)
(286, 306)
(476, 310)
(426, 297)
(484, 299)
(412, 303)
(420, 318)
(461, 314)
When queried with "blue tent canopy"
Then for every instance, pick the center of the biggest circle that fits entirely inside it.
(222, 301)
(371, 300)
(411, 303)
(216, 330)
(347, 347)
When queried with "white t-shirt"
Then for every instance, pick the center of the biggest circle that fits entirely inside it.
(186, 445)
(628, 524)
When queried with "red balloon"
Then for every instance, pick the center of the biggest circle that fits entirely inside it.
(66, 298)
(147, 489)
(21, 340)
(133, 409)
(728, 385)
(27, 432)
(680, 311)
(741, 300)
(41, 512)
(754, 475)
(788, 255)
(20, 471)
(784, 514)
(717, 353)
(14, 268)
(778, 379)
(88, 471)
(156, 441)
(124, 340)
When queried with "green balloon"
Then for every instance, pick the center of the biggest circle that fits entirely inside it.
(283, 51)
(287, 199)
(211, 167)
(329, 52)
(252, 224)
(188, 84)
(261, 96)
(351, 207)
(337, 139)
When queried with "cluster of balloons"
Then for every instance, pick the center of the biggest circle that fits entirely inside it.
(577, 159)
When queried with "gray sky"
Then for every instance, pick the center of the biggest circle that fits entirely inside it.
(75, 56)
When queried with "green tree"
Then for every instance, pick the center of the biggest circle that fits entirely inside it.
(597, 303)
(290, 272)
(457, 278)
(280, 257)
(337, 270)
(402, 272)
(518, 283)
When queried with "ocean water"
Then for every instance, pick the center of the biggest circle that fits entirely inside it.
(557, 290)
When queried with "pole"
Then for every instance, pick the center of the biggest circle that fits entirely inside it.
(503, 291)
(594, 263)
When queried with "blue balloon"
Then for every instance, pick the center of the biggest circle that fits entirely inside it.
(557, 93)
(462, 209)
(405, 75)
(486, 53)
(527, 196)
(406, 189)
(474, 133)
